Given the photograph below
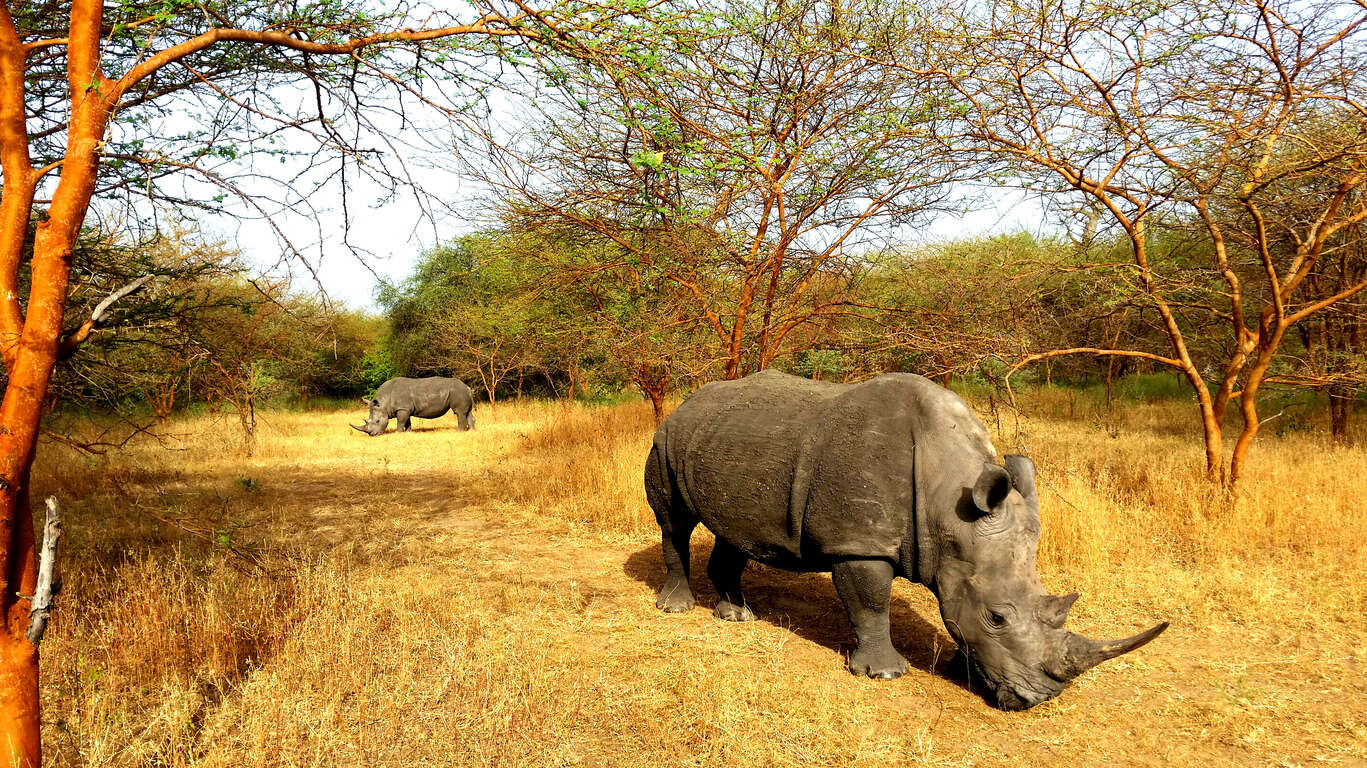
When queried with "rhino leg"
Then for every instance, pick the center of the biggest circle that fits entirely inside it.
(676, 596)
(865, 587)
(724, 568)
(402, 417)
(466, 420)
(676, 528)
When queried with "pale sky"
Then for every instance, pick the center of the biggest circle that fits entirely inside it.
(391, 233)
(396, 233)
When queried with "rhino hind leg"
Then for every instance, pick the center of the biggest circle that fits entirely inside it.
(676, 596)
(466, 421)
(865, 587)
(676, 529)
(724, 568)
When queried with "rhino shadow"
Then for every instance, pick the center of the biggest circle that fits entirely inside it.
(806, 604)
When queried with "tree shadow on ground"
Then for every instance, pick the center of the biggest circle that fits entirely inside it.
(807, 605)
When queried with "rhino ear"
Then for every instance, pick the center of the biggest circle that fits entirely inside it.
(992, 486)
(1022, 471)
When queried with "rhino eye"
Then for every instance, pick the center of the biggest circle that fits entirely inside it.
(996, 620)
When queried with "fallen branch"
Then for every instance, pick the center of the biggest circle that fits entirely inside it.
(47, 564)
(97, 318)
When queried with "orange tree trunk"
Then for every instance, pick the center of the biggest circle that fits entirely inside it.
(19, 731)
(1248, 405)
(30, 372)
(29, 364)
(22, 408)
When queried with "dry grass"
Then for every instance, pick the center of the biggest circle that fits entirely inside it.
(486, 598)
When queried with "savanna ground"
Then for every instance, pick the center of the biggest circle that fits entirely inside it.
(487, 598)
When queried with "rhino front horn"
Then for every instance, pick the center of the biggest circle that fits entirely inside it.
(358, 429)
(1080, 654)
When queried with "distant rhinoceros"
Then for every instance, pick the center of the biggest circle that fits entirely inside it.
(430, 398)
(890, 477)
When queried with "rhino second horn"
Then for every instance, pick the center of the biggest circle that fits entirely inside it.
(1053, 609)
(1080, 654)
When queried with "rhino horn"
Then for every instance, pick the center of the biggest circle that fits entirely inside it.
(1053, 609)
(1079, 654)
(358, 429)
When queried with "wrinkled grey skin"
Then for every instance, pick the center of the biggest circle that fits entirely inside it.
(429, 398)
(891, 477)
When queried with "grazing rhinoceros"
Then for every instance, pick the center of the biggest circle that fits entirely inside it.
(890, 477)
(430, 398)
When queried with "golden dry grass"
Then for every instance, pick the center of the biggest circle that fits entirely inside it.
(487, 598)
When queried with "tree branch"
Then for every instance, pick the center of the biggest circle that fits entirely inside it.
(283, 40)
(97, 318)
(1169, 361)
(47, 566)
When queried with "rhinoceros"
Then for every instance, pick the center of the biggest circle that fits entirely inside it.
(428, 398)
(890, 477)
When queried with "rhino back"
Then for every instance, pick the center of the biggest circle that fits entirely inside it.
(797, 473)
(861, 494)
(427, 397)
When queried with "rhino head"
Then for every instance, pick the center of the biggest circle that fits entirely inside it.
(376, 422)
(993, 604)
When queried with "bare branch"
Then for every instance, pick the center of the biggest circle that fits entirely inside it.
(41, 607)
(97, 318)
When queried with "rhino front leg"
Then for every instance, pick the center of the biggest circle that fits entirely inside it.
(724, 568)
(402, 417)
(865, 587)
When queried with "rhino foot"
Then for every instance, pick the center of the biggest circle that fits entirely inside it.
(675, 597)
(883, 662)
(729, 611)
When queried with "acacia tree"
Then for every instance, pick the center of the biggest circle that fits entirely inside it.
(535, 304)
(644, 335)
(1331, 356)
(93, 109)
(948, 307)
(652, 339)
(1193, 111)
(742, 163)
(244, 340)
